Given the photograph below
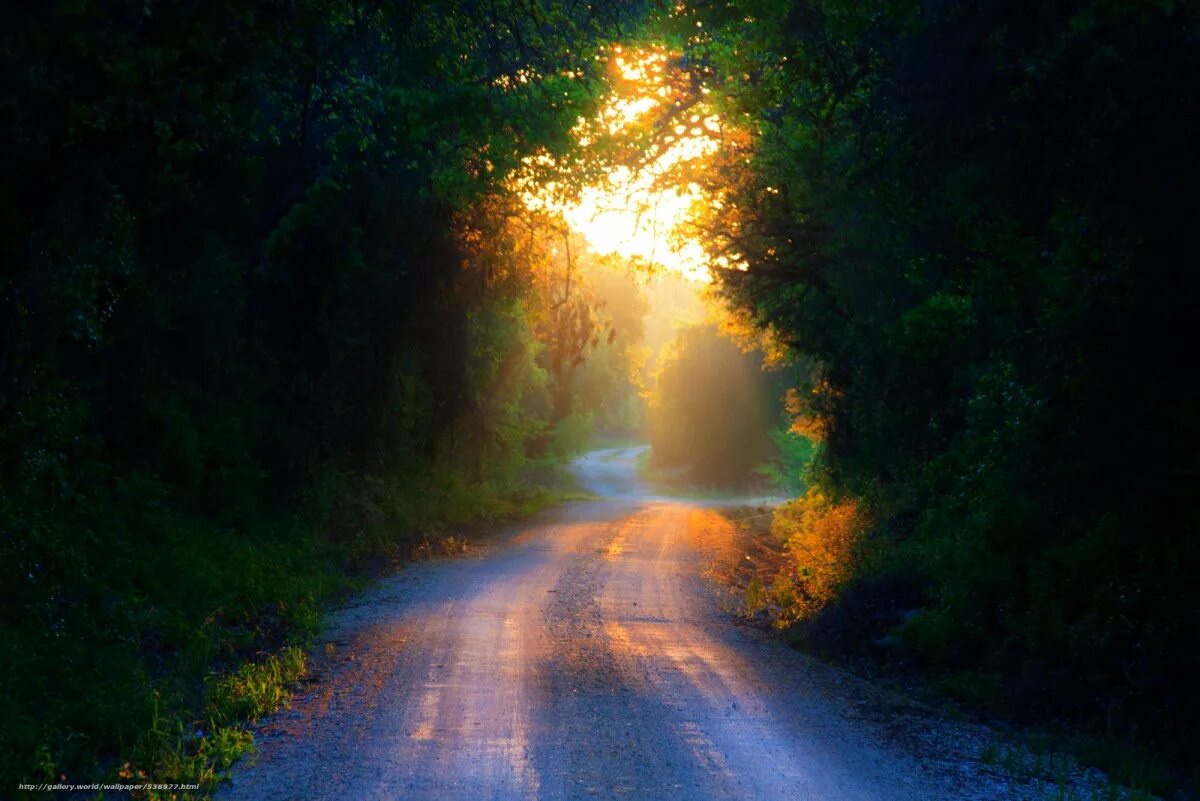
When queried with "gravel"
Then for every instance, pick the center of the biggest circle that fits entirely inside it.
(583, 656)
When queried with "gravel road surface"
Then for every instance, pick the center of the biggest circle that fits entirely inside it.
(584, 656)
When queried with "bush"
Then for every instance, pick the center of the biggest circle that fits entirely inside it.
(820, 537)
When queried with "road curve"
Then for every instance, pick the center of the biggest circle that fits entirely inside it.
(583, 657)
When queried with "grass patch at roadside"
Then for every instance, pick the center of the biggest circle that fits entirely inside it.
(1047, 764)
(168, 640)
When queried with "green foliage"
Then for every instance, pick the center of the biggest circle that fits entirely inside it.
(257, 688)
(970, 218)
(605, 384)
(251, 339)
(790, 472)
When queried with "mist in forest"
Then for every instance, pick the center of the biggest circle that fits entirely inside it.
(635, 346)
(713, 408)
(296, 291)
(706, 404)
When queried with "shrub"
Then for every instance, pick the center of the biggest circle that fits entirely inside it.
(820, 536)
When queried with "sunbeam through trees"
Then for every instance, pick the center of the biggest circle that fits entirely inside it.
(297, 292)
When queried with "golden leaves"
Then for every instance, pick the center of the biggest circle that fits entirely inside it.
(820, 536)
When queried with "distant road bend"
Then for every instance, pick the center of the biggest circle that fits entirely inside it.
(585, 656)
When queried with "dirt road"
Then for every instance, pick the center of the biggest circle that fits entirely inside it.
(586, 657)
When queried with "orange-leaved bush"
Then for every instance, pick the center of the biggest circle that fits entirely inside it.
(819, 535)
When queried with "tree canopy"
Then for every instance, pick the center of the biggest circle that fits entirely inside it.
(970, 223)
(276, 289)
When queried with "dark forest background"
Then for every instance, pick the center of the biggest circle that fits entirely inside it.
(269, 312)
(266, 317)
(972, 224)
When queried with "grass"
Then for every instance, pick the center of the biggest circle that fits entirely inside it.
(1127, 764)
(255, 689)
(1023, 762)
(179, 631)
(1052, 772)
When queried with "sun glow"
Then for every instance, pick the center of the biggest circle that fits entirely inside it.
(642, 212)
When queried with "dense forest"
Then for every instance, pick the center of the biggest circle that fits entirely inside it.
(268, 313)
(969, 223)
(274, 310)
